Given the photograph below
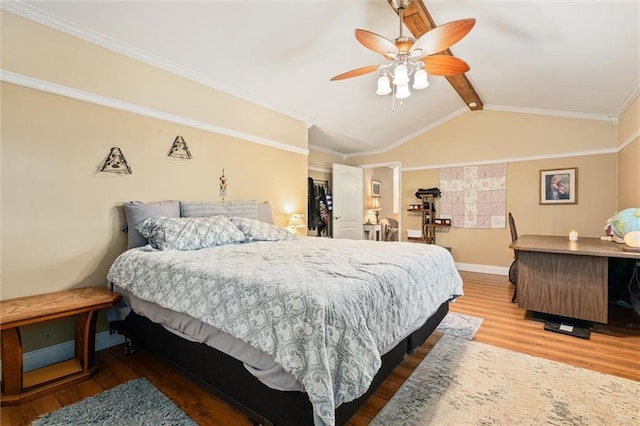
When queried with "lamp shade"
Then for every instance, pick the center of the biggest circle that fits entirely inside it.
(402, 92)
(401, 75)
(420, 80)
(296, 220)
(384, 85)
(375, 203)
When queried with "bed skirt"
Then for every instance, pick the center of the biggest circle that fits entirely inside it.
(227, 378)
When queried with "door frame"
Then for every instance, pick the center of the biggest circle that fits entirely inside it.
(398, 166)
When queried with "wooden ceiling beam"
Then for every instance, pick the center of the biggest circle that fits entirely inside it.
(417, 19)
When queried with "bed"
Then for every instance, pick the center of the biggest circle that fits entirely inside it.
(291, 330)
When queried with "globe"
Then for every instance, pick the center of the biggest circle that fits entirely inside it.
(625, 221)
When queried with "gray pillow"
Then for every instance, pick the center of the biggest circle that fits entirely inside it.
(264, 212)
(137, 211)
(189, 233)
(247, 208)
(254, 230)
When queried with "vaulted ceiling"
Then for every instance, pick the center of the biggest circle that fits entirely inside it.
(574, 58)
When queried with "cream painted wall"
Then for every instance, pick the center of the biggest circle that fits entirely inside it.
(323, 160)
(629, 157)
(61, 218)
(35, 50)
(529, 144)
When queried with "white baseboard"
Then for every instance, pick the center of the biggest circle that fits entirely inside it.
(485, 269)
(64, 351)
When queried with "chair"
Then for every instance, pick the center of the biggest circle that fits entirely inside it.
(513, 270)
(389, 229)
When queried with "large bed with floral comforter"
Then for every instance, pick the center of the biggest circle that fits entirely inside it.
(323, 312)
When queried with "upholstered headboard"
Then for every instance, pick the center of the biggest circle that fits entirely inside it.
(137, 211)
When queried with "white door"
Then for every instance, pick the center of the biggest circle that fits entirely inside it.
(347, 195)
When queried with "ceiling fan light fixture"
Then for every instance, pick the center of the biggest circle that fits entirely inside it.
(402, 91)
(401, 75)
(420, 80)
(384, 85)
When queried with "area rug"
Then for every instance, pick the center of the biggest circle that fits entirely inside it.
(134, 403)
(462, 382)
(460, 325)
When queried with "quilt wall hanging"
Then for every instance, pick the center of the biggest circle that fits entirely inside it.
(474, 196)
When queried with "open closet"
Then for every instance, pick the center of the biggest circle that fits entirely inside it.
(319, 208)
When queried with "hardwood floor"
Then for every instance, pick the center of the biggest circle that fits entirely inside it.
(612, 349)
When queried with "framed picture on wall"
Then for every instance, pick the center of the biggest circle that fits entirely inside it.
(559, 186)
(375, 188)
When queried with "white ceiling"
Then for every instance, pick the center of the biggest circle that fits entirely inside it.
(575, 58)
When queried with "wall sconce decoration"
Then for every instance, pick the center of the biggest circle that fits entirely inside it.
(296, 220)
(179, 149)
(116, 163)
(223, 185)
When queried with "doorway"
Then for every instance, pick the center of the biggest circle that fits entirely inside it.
(382, 183)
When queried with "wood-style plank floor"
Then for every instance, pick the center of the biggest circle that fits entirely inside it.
(612, 349)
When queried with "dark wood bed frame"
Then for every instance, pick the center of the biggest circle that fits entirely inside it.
(226, 377)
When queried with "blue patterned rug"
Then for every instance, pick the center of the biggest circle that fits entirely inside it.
(460, 325)
(461, 382)
(135, 403)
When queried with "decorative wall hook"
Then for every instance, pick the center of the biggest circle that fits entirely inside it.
(179, 149)
(223, 185)
(116, 163)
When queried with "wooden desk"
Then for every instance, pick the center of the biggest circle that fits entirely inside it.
(560, 277)
(84, 304)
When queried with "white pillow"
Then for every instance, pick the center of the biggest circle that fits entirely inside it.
(255, 230)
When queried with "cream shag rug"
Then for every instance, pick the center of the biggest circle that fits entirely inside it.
(461, 382)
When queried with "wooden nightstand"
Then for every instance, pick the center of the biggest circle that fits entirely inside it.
(84, 304)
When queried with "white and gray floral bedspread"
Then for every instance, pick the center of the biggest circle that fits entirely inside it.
(322, 308)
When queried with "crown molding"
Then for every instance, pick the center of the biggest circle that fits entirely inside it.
(81, 95)
(551, 112)
(37, 15)
(327, 151)
(633, 94)
(514, 159)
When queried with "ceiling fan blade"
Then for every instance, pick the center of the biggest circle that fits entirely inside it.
(444, 65)
(376, 42)
(355, 73)
(443, 37)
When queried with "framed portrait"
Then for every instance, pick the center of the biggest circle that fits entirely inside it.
(559, 186)
(375, 188)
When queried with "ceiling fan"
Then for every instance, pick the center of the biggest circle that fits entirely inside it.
(407, 56)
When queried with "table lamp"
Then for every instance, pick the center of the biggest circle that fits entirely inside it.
(375, 207)
(296, 220)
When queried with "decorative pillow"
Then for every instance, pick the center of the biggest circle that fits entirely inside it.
(264, 212)
(247, 208)
(254, 230)
(189, 233)
(137, 211)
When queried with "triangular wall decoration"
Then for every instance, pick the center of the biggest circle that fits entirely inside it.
(179, 149)
(116, 163)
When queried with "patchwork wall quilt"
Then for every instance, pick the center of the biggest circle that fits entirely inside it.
(474, 196)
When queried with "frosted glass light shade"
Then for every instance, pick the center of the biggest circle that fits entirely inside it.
(384, 85)
(402, 92)
(420, 80)
(401, 75)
